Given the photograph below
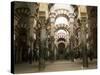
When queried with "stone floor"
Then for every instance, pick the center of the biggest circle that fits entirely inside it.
(60, 65)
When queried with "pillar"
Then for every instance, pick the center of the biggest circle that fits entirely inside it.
(83, 18)
(71, 22)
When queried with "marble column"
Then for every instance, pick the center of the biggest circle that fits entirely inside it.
(71, 22)
(42, 46)
(83, 18)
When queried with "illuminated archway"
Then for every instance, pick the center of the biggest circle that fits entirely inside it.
(61, 20)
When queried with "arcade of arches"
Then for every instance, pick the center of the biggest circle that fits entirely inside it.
(50, 32)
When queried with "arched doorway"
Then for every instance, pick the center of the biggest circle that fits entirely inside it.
(61, 50)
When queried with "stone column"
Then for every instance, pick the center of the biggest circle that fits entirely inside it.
(71, 22)
(84, 48)
(83, 18)
(42, 46)
(55, 53)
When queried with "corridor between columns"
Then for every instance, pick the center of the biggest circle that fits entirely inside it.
(54, 34)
